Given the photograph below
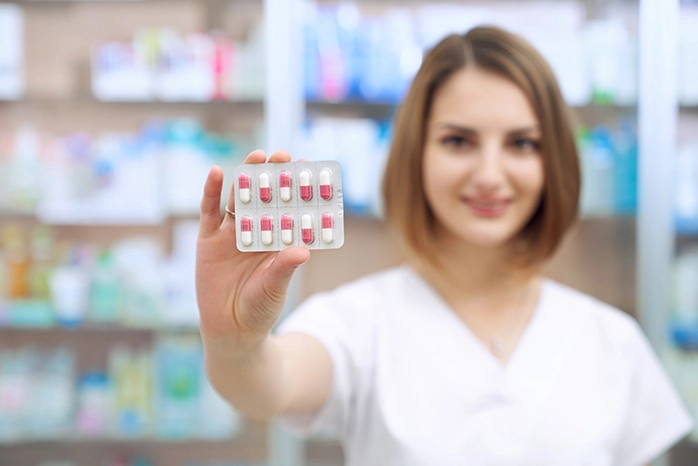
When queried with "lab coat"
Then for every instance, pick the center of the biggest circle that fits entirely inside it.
(412, 385)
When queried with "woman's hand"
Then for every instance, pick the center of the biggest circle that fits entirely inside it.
(240, 295)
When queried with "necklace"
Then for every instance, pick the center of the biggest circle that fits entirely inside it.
(498, 345)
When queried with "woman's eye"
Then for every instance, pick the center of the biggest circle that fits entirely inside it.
(455, 141)
(526, 144)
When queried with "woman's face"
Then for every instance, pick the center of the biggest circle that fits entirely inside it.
(482, 168)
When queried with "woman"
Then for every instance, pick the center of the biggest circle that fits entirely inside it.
(465, 355)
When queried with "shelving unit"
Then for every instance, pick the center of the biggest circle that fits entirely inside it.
(678, 240)
(59, 37)
(250, 448)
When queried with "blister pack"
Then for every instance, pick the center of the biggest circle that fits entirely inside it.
(279, 205)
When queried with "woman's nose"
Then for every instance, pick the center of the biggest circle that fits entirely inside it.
(489, 169)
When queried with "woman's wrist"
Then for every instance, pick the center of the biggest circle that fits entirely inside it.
(235, 349)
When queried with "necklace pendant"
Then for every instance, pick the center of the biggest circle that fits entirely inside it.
(497, 347)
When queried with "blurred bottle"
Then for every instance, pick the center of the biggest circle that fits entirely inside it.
(597, 160)
(105, 289)
(221, 62)
(179, 368)
(25, 171)
(42, 260)
(16, 262)
(625, 170)
(332, 58)
(131, 373)
(93, 404)
(139, 262)
(50, 413)
(16, 369)
(69, 291)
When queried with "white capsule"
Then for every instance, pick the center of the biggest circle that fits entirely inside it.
(244, 187)
(265, 226)
(327, 228)
(264, 187)
(287, 229)
(307, 229)
(246, 231)
(325, 184)
(285, 186)
(306, 190)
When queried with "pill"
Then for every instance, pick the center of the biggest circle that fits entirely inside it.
(326, 184)
(287, 229)
(307, 228)
(244, 187)
(305, 187)
(327, 228)
(265, 230)
(246, 231)
(285, 186)
(264, 187)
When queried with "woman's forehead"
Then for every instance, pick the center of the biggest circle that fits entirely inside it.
(472, 98)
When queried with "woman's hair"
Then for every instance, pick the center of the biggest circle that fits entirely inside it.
(512, 57)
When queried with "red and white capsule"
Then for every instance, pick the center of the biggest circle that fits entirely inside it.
(287, 229)
(244, 187)
(265, 227)
(327, 223)
(246, 231)
(264, 187)
(306, 189)
(285, 186)
(307, 229)
(326, 184)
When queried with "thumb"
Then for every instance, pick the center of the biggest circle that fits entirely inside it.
(278, 275)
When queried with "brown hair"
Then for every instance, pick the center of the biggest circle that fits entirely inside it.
(512, 57)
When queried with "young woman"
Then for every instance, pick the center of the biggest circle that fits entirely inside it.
(465, 355)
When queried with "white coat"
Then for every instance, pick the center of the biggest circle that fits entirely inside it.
(412, 386)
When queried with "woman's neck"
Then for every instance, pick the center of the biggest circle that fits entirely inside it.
(493, 298)
(463, 269)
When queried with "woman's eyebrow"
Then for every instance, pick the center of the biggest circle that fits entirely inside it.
(526, 130)
(454, 127)
(466, 130)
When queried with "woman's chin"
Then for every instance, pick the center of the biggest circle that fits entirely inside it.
(485, 242)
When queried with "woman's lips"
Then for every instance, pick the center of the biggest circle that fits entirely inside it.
(487, 207)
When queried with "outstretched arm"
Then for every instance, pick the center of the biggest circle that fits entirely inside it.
(240, 296)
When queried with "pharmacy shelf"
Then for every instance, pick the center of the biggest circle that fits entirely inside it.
(94, 327)
(318, 105)
(384, 105)
(360, 108)
(250, 446)
(90, 100)
(96, 223)
(587, 115)
(77, 440)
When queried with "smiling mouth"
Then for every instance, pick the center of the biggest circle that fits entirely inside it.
(487, 208)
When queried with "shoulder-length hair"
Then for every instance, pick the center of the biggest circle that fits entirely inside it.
(510, 56)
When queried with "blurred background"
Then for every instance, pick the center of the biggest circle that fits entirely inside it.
(112, 113)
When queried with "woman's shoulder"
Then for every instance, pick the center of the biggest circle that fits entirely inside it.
(364, 293)
(592, 313)
(380, 283)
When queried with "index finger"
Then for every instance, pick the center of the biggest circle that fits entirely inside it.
(210, 218)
